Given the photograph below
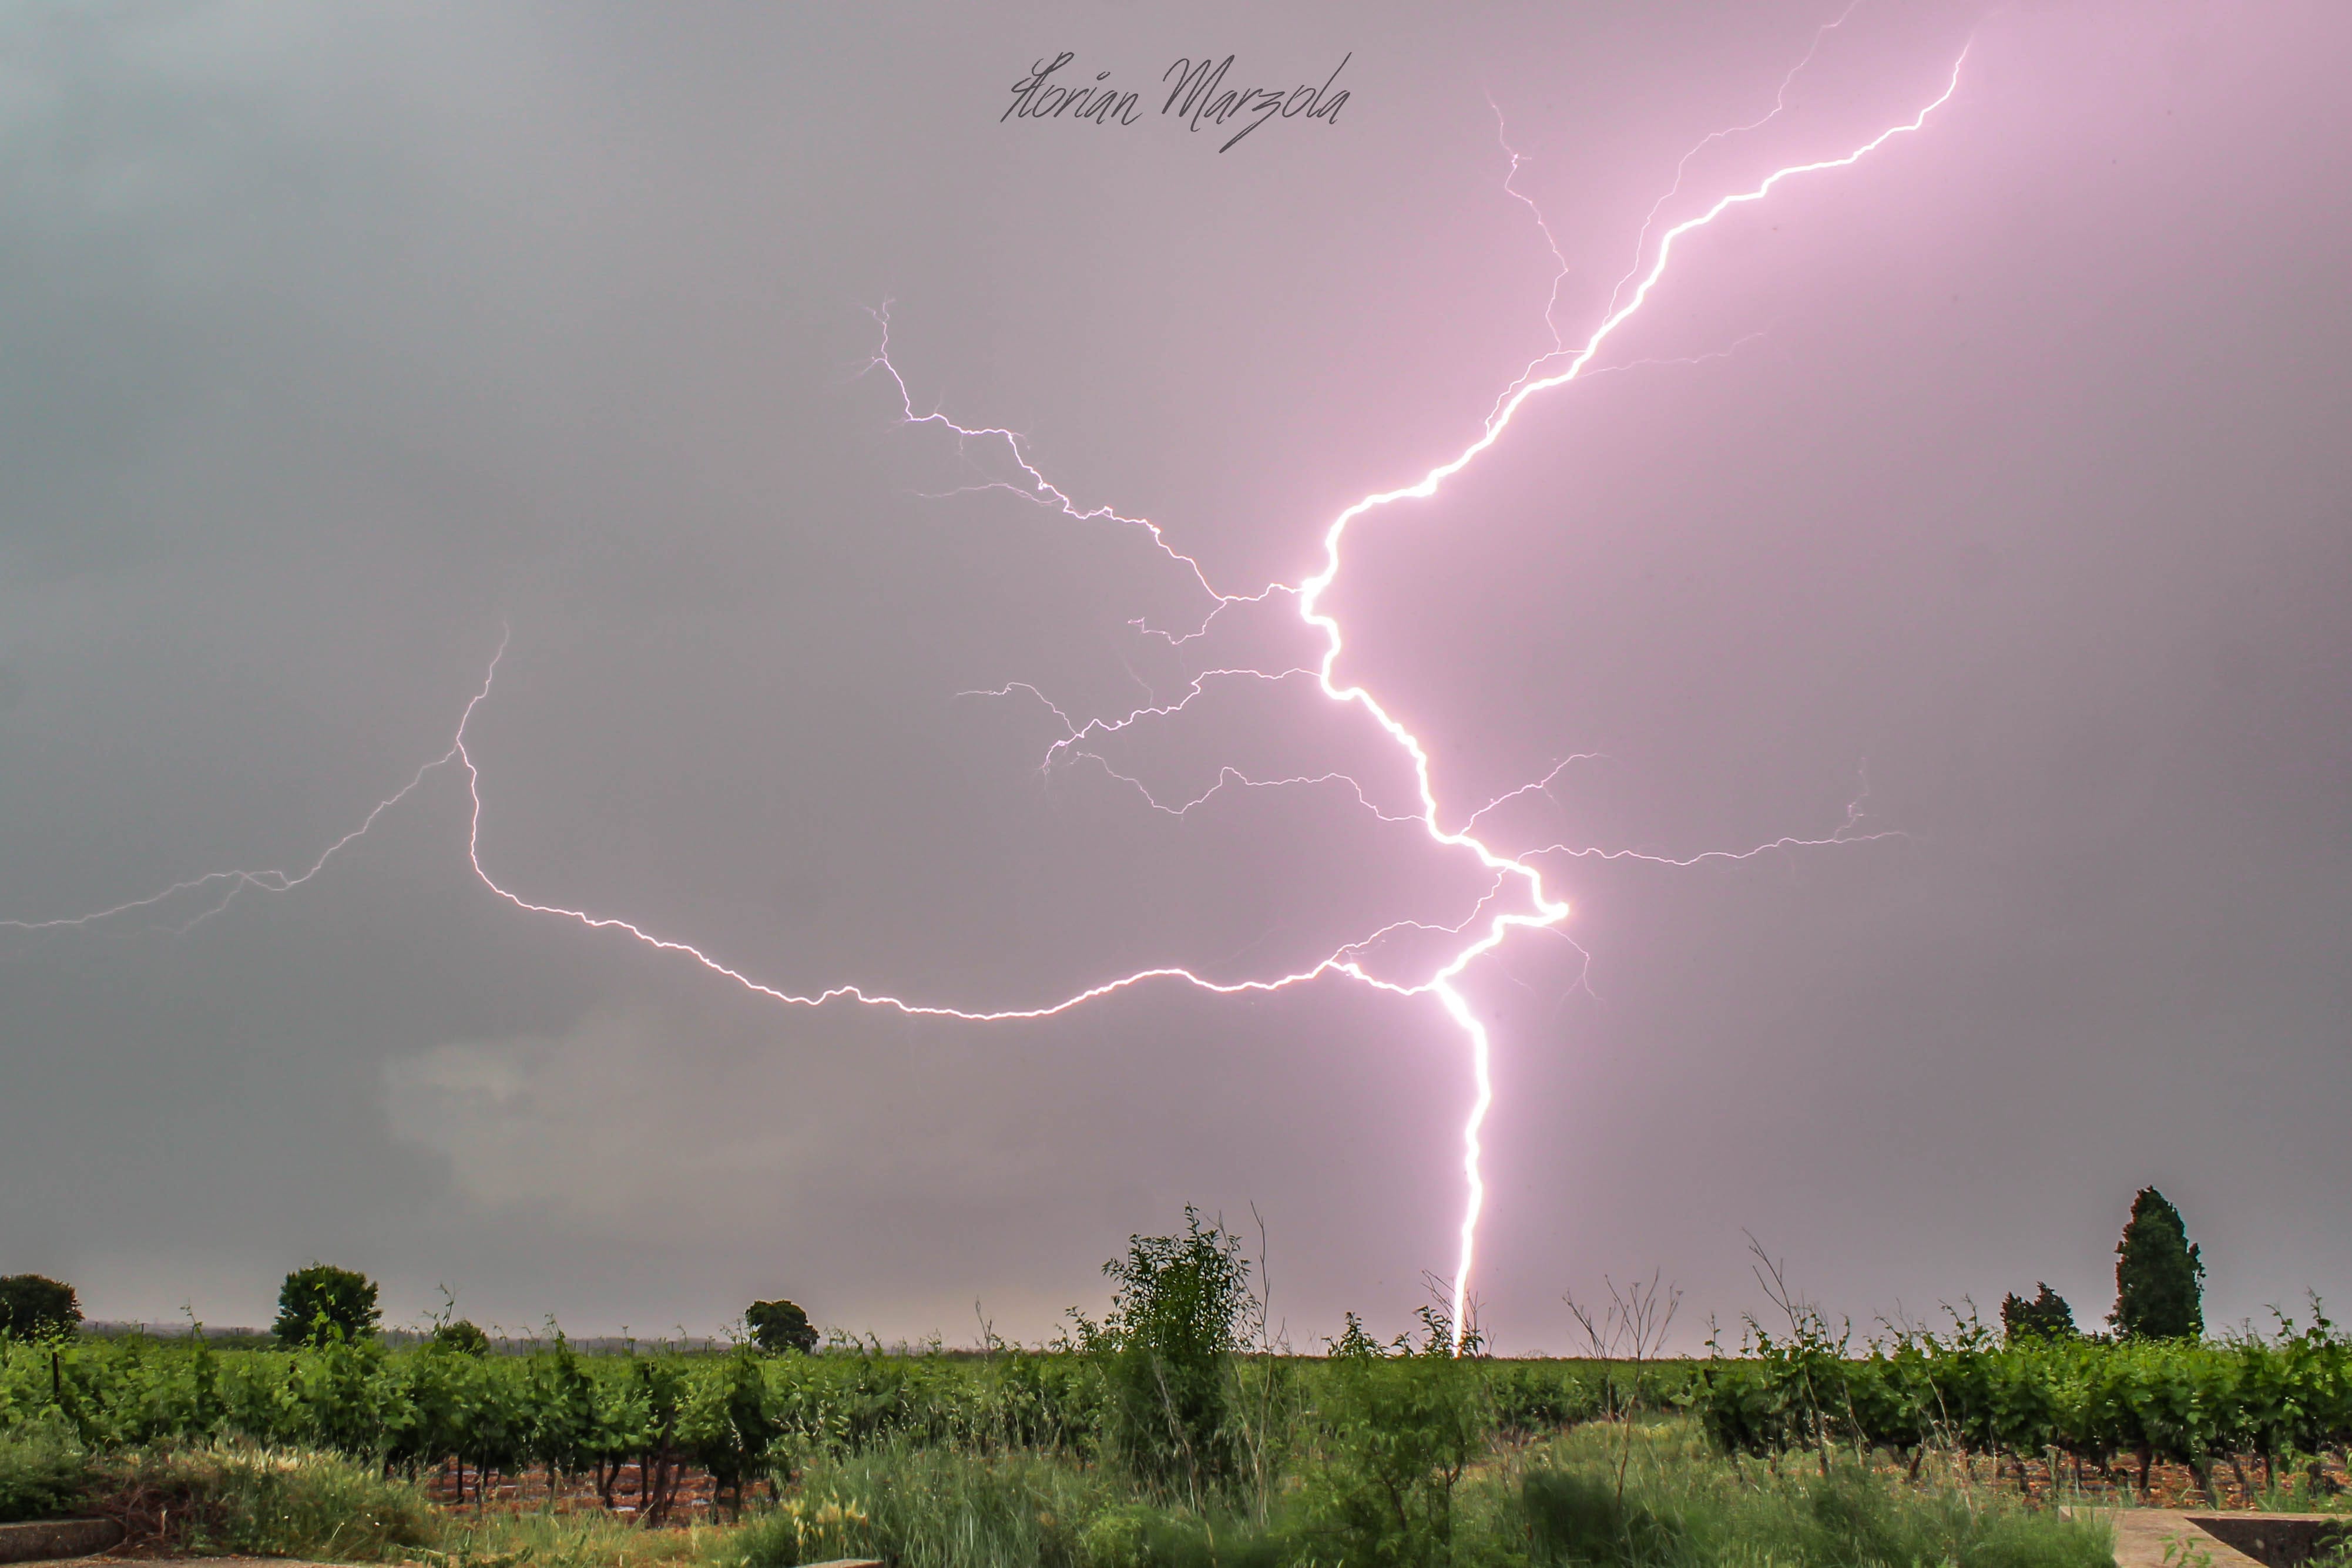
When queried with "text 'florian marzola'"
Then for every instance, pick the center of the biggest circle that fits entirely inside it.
(1199, 96)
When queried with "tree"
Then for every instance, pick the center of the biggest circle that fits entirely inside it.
(33, 1306)
(461, 1335)
(2158, 1274)
(779, 1326)
(1167, 1348)
(2047, 1315)
(320, 1302)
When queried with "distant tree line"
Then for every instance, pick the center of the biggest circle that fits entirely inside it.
(320, 1304)
(2160, 1289)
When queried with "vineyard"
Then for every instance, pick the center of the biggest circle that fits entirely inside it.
(2284, 1401)
(630, 1429)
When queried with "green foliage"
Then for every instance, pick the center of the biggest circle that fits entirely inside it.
(779, 1326)
(33, 1306)
(932, 1508)
(2182, 1400)
(461, 1336)
(264, 1502)
(1168, 1350)
(43, 1470)
(2281, 1396)
(1402, 1425)
(1379, 1453)
(1582, 1516)
(1680, 1506)
(545, 1538)
(2158, 1274)
(321, 1300)
(2047, 1315)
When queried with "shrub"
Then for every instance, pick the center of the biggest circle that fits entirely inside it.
(1403, 1427)
(779, 1326)
(321, 1297)
(2156, 1274)
(1168, 1350)
(43, 1470)
(35, 1306)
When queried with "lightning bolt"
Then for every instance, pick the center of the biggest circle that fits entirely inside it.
(232, 883)
(1517, 896)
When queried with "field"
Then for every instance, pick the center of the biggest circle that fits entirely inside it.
(1141, 1442)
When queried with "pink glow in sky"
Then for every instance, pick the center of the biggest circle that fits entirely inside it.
(1889, 497)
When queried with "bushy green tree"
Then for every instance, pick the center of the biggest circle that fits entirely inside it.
(2046, 1316)
(1168, 1352)
(32, 1306)
(321, 1298)
(461, 1335)
(2158, 1274)
(779, 1326)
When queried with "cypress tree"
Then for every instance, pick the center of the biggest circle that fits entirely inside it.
(2158, 1274)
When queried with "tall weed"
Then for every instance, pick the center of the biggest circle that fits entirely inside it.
(930, 1508)
(1685, 1506)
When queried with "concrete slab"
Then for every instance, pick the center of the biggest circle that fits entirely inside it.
(54, 1540)
(2277, 1540)
(2167, 1538)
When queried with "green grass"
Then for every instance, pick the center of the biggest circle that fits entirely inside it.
(592, 1539)
(1648, 1495)
(1682, 1505)
(265, 1502)
(1558, 1503)
(930, 1508)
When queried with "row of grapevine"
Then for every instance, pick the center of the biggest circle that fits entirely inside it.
(739, 1416)
(2187, 1401)
(733, 1415)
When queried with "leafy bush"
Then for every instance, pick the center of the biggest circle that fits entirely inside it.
(43, 1470)
(779, 1326)
(1402, 1425)
(321, 1300)
(1168, 1352)
(35, 1306)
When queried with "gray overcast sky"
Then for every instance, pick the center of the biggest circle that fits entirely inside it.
(2004, 471)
